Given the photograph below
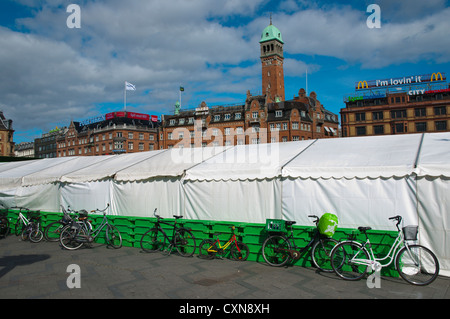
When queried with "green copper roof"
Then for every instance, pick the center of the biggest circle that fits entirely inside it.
(271, 32)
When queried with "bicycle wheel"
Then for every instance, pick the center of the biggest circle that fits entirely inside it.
(321, 253)
(343, 260)
(4, 227)
(240, 251)
(53, 231)
(35, 235)
(207, 249)
(113, 236)
(417, 265)
(153, 240)
(184, 241)
(69, 238)
(24, 235)
(19, 226)
(275, 250)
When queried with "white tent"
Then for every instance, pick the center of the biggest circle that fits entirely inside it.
(363, 180)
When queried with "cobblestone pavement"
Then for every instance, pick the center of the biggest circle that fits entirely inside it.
(40, 271)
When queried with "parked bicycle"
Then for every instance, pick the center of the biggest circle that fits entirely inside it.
(4, 222)
(209, 248)
(80, 231)
(28, 228)
(52, 231)
(156, 238)
(416, 264)
(278, 249)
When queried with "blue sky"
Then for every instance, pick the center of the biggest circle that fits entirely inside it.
(52, 74)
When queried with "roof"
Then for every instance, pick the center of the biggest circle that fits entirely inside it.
(393, 156)
(269, 33)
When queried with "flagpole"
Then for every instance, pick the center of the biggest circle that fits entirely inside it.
(125, 96)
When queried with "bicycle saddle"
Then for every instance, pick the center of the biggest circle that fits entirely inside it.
(290, 222)
(363, 229)
(176, 217)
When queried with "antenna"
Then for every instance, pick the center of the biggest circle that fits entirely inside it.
(271, 18)
(306, 81)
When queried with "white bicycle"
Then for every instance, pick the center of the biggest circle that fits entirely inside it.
(29, 228)
(416, 264)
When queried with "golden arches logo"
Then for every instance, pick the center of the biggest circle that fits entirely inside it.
(361, 85)
(436, 76)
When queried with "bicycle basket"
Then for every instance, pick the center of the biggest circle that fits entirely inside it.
(328, 224)
(410, 232)
(275, 225)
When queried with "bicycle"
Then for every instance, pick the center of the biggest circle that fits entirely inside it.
(4, 223)
(155, 238)
(277, 249)
(80, 231)
(52, 231)
(209, 248)
(415, 263)
(29, 228)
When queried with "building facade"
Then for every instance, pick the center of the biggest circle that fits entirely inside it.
(6, 136)
(266, 118)
(45, 146)
(416, 108)
(118, 133)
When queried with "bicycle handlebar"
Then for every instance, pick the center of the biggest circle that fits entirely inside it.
(398, 218)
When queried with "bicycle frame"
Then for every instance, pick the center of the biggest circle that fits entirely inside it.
(92, 234)
(174, 229)
(232, 239)
(390, 256)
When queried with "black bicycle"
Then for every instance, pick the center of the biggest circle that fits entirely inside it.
(278, 249)
(53, 230)
(156, 238)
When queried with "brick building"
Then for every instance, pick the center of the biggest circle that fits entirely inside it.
(6, 136)
(266, 118)
(423, 105)
(119, 132)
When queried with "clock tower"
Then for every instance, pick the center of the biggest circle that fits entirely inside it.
(272, 58)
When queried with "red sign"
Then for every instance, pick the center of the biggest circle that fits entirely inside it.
(131, 115)
(138, 116)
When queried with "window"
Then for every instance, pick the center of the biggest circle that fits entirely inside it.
(421, 126)
(254, 115)
(400, 128)
(377, 115)
(441, 125)
(169, 136)
(227, 131)
(285, 126)
(360, 116)
(215, 132)
(216, 118)
(420, 112)
(181, 122)
(398, 114)
(440, 110)
(360, 130)
(295, 125)
(240, 130)
(130, 136)
(237, 116)
(130, 145)
(141, 146)
(278, 113)
(191, 120)
(227, 117)
(172, 122)
(378, 129)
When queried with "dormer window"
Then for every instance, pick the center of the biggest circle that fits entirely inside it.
(278, 113)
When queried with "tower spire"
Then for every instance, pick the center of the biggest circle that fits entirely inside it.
(271, 18)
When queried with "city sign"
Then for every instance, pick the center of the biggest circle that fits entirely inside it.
(414, 79)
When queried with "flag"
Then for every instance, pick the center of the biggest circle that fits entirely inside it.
(181, 89)
(129, 87)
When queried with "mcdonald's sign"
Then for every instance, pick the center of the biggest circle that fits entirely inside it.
(436, 76)
(362, 85)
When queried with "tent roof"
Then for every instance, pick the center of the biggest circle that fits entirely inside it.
(173, 162)
(255, 161)
(359, 157)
